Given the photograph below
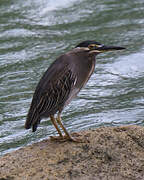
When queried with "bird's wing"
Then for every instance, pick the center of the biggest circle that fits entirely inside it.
(52, 99)
(56, 95)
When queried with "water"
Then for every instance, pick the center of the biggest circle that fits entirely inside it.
(34, 33)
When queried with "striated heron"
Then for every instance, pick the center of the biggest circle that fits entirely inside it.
(61, 82)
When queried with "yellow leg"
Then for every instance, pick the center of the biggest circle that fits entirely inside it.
(67, 135)
(61, 125)
(55, 125)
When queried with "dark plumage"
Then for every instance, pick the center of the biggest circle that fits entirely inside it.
(61, 82)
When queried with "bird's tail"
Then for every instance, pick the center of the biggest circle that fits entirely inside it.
(33, 119)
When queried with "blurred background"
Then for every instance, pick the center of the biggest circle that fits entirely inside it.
(34, 33)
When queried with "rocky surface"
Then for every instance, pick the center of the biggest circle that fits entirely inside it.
(113, 153)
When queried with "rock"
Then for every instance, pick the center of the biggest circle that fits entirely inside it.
(113, 153)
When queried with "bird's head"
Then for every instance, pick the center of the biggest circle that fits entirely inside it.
(96, 48)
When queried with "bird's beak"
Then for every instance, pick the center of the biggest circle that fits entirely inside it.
(103, 48)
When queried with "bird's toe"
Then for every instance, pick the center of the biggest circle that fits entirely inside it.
(74, 138)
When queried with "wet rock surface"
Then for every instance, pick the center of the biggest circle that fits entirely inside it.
(112, 153)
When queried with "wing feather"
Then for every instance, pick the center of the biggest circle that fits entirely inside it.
(52, 99)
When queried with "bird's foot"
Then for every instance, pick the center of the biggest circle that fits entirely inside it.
(57, 138)
(77, 137)
(75, 134)
(69, 138)
(78, 140)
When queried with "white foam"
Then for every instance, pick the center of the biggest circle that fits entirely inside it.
(54, 5)
(57, 3)
(129, 66)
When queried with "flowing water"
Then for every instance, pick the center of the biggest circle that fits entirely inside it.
(34, 32)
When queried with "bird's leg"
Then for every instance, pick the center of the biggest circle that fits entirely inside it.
(61, 125)
(57, 128)
(67, 135)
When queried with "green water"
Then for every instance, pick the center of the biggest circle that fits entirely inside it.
(33, 33)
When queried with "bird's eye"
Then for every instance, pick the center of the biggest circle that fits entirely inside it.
(94, 46)
(91, 46)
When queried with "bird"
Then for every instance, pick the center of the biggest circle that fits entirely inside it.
(61, 82)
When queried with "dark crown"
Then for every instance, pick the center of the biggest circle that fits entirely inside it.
(87, 43)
